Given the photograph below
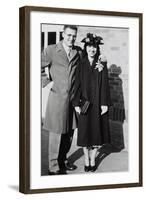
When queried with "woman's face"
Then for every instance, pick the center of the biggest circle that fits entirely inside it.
(91, 50)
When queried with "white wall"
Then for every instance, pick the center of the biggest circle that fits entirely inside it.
(9, 43)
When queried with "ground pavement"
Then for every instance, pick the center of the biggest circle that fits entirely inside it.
(109, 158)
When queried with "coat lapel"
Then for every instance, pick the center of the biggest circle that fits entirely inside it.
(73, 53)
(60, 50)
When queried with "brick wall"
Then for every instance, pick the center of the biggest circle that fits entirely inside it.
(117, 110)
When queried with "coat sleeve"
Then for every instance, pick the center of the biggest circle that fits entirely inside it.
(77, 87)
(46, 60)
(104, 90)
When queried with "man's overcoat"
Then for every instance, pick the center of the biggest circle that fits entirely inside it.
(59, 116)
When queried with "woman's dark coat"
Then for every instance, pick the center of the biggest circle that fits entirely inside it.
(92, 85)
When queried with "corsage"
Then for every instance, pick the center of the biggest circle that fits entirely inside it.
(98, 65)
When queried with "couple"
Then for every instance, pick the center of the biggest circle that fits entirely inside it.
(79, 94)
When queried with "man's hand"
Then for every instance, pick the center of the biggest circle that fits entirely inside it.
(78, 109)
(104, 109)
(45, 80)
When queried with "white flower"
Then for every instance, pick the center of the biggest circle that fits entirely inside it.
(102, 58)
(99, 66)
(87, 40)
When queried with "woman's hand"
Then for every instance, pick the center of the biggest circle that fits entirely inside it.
(78, 109)
(104, 109)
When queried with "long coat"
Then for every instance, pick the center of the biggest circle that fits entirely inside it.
(59, 116)
(92, 85)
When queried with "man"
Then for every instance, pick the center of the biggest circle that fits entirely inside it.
(61, 60)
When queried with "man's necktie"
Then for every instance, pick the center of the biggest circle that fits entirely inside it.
(69, 53)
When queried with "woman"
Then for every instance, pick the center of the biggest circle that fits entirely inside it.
(91, 100)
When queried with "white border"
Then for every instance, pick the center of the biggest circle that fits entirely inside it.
(132, 176)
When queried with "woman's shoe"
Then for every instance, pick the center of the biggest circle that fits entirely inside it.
(87, 168)
(93, 168)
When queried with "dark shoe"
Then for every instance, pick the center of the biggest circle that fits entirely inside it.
(70, 166)
(61, 171)
(52, 173)
(93, 168)
(87, 168)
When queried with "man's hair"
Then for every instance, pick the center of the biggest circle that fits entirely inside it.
(70, 26)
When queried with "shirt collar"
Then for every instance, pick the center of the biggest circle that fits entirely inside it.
(66, 48)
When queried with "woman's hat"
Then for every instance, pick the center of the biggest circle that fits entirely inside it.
(92, 39)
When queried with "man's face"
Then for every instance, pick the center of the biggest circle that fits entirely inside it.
(69, 36)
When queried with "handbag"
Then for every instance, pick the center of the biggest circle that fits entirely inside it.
(84, 106)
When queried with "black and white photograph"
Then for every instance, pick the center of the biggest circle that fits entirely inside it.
(84, 71)
(80, 99)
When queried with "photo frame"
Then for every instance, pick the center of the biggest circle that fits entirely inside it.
(31, 20)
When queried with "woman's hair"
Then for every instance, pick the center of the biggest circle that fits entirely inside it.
(85, 51)
(92, 39)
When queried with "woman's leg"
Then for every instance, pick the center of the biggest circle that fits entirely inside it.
(92, 155)
(86, 156)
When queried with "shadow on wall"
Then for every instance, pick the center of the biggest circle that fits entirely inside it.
(117, 110)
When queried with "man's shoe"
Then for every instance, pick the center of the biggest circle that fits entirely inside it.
(61, 171)
(70, 166)
(52, 173)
